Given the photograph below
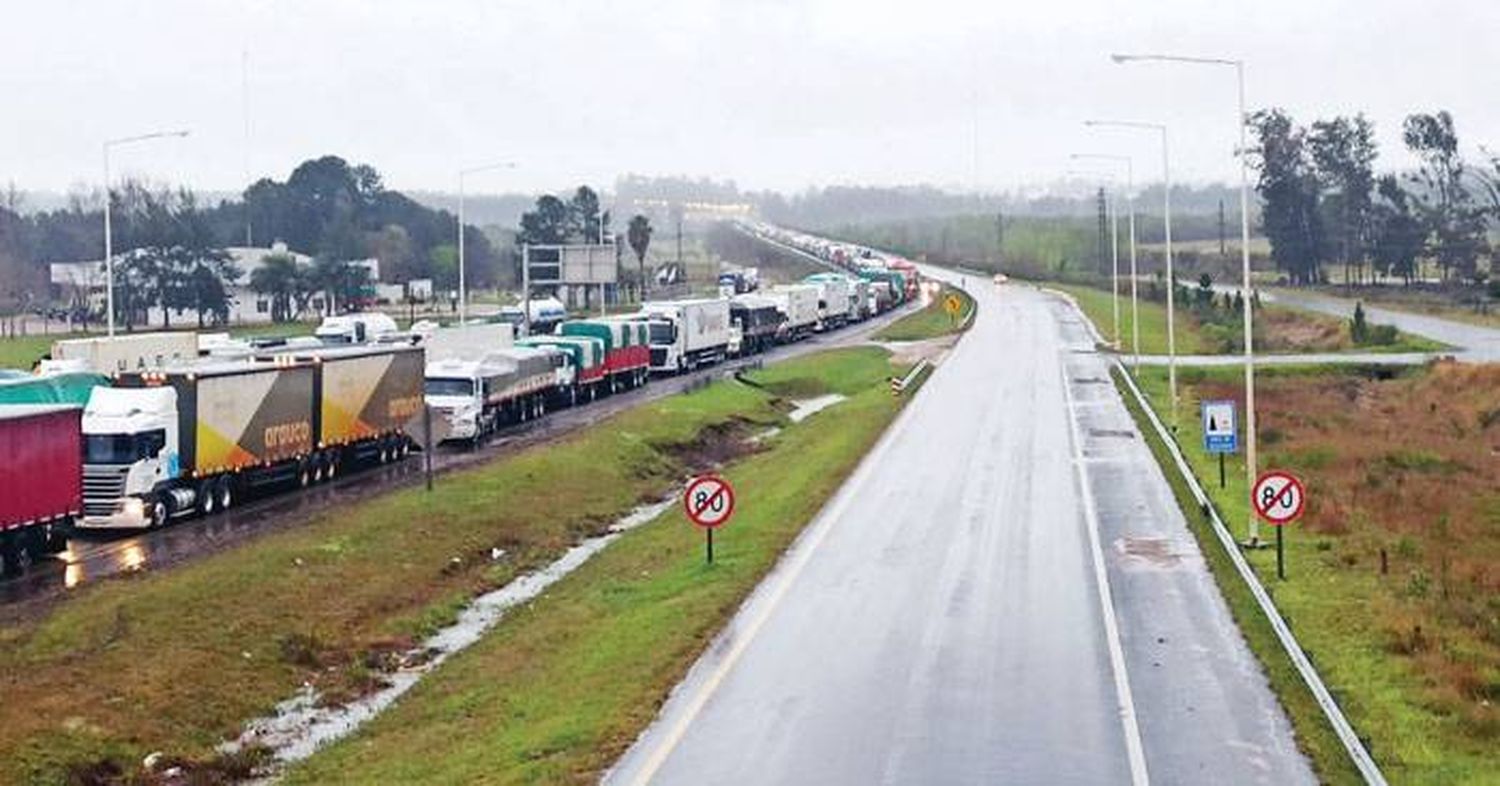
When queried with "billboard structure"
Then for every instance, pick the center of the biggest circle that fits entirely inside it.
(569, 271)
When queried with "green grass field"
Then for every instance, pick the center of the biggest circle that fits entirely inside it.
(176, 661)
(1340, 607)
(932, 321)
(1279, 329)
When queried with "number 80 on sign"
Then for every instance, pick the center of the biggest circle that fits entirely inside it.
(708, 501)
(1279, 498)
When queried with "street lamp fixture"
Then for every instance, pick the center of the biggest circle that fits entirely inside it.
(1243, 153)
(1166, 170)
(1135, 312)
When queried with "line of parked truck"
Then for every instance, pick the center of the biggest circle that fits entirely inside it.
(135, 431)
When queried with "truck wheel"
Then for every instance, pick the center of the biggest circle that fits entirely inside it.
(57, 536)
(333, 466)
(304, 475)
(10, 555)
(225, 490)
(208, 501)
(160, 512)
(34, 541)
(405, 447)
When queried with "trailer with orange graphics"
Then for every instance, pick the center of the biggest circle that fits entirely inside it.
(192, 439)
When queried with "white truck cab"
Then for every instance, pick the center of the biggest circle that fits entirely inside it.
(131, 446)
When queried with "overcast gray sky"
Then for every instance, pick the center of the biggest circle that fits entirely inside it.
(776, 94)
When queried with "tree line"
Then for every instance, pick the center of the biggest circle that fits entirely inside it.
(1324, 204)
(171, 250)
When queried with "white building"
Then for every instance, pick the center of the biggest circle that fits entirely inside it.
(74, 281)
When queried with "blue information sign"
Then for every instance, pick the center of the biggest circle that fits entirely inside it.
(1219, 433)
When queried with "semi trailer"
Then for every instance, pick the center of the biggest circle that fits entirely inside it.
(42, 489)
(833, 300)
(475, 397)
(758, 321)
(627, 347)
(686, 334)
(585, 356)
(191, 439)
(798, 303)
(134, 352)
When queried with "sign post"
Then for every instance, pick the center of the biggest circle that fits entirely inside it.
(1279, 499)
(952, 304)
(709, 502)
(1219, 433)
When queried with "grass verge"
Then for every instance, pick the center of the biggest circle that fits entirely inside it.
(933, 320)
(1278, 329)
(1400, 621)
(559, 690)
(22, 352)
(177, 661)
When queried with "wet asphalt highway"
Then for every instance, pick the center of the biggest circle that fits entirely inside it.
(1004, 592)
(93, 556)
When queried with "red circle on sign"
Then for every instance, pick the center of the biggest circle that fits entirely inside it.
(1265, 510)
(707, 513)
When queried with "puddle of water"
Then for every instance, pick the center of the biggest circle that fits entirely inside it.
(1147, 552)
(299, 727)
(809, 407)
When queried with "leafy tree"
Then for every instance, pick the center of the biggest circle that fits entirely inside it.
(1343, 153)
(1289, 188)
(584, 220)
(278, 277)
(1399, 235)
(548, 224)
(638, 234)
(1455, 223)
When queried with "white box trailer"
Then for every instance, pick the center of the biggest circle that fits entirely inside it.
(686, 334)
(833, 303)
(466, 342)
(799, 303)
(130, 352)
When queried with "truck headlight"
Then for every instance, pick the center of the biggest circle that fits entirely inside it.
(134, 508)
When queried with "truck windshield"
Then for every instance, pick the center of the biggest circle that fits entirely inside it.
(122, 448)
(663, 333)
(446, 386)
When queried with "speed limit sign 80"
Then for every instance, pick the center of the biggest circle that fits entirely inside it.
(1278, 498)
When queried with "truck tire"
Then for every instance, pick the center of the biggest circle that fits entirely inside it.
(34, 541)
(208, 500)
(304, 474)
(57, 536)
(224, 488)
(161, 512)
(10, 554)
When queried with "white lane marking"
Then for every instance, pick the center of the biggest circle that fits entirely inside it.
(1133, 750)
(803, 553)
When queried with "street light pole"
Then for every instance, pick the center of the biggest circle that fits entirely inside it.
(109, 243)
(1114, 246)
(1248, 292)
(1135, 311)
(1166, 169)
(463, 292)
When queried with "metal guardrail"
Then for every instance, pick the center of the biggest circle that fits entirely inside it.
(1352, 744)
(900, 384)
(1358, 754)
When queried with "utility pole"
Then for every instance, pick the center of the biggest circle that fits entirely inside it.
(1223, 250)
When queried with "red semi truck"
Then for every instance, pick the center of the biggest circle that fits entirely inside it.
(41, 487)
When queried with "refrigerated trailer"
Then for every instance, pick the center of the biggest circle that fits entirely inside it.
(799, 304)
(686, 334)
(40, 489)
(132, 352)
